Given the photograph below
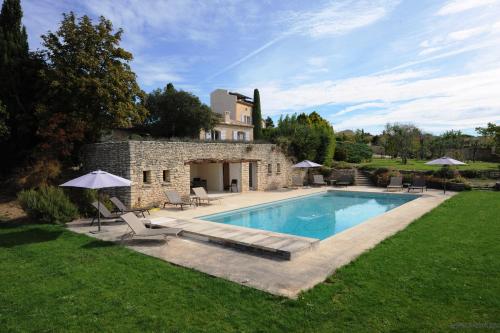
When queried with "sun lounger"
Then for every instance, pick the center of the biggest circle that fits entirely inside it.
(123, 209)
(344, 180)
(104, 211)
(396, 183)
(202, 195)
(418, 184)
(318, 180)
(175, 199)
(297, 182)
(139, 230)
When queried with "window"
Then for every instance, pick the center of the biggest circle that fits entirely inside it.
(241, 136)
(166, 176)
(247, 119)
(269, 169)
(146, 177)
(278, 168)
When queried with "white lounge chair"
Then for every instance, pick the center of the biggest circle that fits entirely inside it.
(104, 211)
(318, 180)
(139, 230)
(202, 195)
(175, 199)
(123, 209)
(297, 182)
(395, 183)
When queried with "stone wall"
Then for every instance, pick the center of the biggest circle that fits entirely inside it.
(130, 159)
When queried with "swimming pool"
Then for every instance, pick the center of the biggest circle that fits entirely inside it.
(317, 216)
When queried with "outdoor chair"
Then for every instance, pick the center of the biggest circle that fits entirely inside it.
(139, 230)
(202, 195)
(418, 184)
(297, 182)
(104, 211)
(175, 199)
(234, 185)
(318, 180)
(123, 209)
(396, 183)
(344, 180)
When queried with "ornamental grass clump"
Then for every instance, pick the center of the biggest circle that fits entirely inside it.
(47, 204)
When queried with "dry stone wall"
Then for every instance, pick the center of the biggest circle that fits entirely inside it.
(130, 159)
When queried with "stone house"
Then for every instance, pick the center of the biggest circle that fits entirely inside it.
(156, 166)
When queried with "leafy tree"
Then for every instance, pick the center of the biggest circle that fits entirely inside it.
(256, 116)
(402, 139)
(492, 133)
(269, 122)
(361, 136)
(177, 113)
(18, 84)
(4, 130)
(90, 85)
(305, 137)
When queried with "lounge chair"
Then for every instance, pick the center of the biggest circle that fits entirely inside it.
(234, 185)
(139, 230)
(418, 184)
(123, 209)
(297, 182)
(175, 199)
(318, 180)
(202, 195)
(104, 211)
(344, 180)
(395, 183)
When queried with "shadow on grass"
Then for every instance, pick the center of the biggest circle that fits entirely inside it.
(24, 237)
(96, 244)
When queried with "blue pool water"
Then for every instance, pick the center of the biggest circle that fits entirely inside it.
(317, 216)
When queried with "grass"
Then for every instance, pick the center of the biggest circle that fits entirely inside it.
(442, 269)
(418, 165)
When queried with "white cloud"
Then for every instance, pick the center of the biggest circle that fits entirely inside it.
(336, 18)
(467, 33)
(435, 103)
(457, 6)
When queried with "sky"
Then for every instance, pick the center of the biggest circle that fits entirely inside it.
(359, 63)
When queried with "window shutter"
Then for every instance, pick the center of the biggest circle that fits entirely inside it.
(235, 135)
(208, 135)
(223, 135)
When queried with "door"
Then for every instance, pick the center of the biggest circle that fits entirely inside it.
(250, 175)
(225, 176)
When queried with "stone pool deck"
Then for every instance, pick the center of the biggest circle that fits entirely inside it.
(259, 270)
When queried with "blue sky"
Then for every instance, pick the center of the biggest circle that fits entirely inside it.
(359, 63)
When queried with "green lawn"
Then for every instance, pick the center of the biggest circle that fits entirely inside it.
(442, 269)
(418, 165)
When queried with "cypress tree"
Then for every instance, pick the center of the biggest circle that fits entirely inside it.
(256, 116)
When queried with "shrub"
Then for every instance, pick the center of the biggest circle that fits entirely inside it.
(48, 204)
(341, 165)
(325, 171)
(382, 176)
(83, 199)
(353, 152)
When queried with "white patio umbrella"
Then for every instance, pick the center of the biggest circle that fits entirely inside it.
(306, 164)
(97, 180)
(445, 161)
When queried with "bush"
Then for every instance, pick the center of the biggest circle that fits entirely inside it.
(83, 199)
(353, 152)
(341, 165)
(382, 176)
(48, 204)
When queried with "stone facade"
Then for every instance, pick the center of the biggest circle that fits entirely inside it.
(147, 163)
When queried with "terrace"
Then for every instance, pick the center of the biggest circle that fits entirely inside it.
(277, 263)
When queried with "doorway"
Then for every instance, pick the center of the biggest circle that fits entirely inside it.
(225, 176)
(252, 175)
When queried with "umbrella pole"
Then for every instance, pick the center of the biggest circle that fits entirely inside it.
(98, 211)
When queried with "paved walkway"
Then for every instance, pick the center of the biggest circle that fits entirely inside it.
(281, 277)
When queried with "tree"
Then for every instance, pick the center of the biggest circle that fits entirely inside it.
(177, 113)
(492, 133)
(90, 85)
(402, 138)
(4, 129)
(269, 122)
(18, 87)
(305, 137)
(256, 116)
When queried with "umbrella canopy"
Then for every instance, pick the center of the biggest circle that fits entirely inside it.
(98, 179)
(307, 164)
(445, 161)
